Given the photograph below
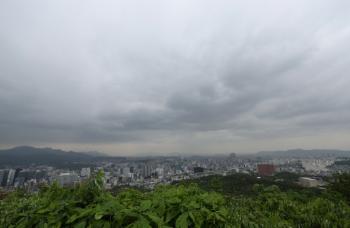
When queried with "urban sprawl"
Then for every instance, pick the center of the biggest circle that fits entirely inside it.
(148, 172)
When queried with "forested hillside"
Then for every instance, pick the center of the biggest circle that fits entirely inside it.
(89, 205)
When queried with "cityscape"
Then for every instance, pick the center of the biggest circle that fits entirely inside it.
(146, 173)
(175, 114)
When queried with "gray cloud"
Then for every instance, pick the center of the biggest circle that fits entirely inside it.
(157, 77)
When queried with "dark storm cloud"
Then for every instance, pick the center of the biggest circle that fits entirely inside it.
(172, 72)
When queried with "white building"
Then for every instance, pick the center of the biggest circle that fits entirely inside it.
(85, 172)
(67, 179)
(308, 182)
(160, 172)
(126, 171)
(11, 177)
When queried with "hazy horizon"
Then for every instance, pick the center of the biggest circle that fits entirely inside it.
(176, 154)
(164, 77)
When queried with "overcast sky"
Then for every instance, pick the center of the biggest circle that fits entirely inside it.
(165, 77)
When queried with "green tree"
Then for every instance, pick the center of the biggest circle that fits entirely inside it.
(341, 184)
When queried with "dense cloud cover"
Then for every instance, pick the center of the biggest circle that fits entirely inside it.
(175, 76)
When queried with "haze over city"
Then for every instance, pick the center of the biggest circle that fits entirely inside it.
(165, 77)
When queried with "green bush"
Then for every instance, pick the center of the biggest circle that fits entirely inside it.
(89, 205)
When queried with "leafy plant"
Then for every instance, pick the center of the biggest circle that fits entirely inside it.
(89, 205)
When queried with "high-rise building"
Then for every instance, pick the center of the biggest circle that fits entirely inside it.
(160, 172)
(3, 177)
(126, 171)
(19, 182)
(11, 177)
(147, 171)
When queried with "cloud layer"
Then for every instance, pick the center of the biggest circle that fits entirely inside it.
(183, 76)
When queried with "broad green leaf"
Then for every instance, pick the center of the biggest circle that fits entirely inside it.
(145, 205)
(181, 221)
(82, 224)
(98, 216)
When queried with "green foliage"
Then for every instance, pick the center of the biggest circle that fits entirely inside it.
(274, 208)
(242, 184)
(216, 184)
(341, 184)
(89, 205)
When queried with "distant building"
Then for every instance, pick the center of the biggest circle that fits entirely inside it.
(147, 171)
(11, 177)
(308, 182)
(198, 170)
(19, 182)
(126, 171)
(266, 169)
(65, 179)
(232, 156)
(85, 172)
(3, 177)
(160, 172)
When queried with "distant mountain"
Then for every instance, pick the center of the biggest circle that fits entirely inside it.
(300, 153)
(26, 155)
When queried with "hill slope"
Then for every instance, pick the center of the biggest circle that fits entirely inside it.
(300, 153)
(25, 155)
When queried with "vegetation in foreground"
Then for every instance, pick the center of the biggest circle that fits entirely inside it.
(89, 205)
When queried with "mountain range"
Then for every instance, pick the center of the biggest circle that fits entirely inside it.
(300, 153)
(26, 155)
